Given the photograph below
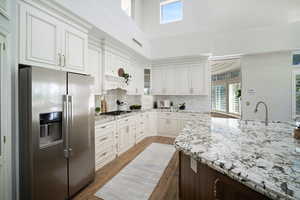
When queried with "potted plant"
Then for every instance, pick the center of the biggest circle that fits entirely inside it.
(97, 110)
(124, 75)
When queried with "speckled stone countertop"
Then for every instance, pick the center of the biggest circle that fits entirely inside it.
(101, 119)
(265, 159)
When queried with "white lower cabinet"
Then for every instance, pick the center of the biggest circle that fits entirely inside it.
(125, 134)
(114, 138)
(105, 144)
(140, 127)
(168, 127)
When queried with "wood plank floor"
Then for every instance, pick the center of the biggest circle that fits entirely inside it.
(167, 188)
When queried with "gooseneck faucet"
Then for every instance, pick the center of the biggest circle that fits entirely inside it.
(266, 107)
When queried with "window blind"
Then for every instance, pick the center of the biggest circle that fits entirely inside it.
(219, 98)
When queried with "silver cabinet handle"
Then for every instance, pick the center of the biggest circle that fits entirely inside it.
(64, 60)
(59, 59)
(71, 118)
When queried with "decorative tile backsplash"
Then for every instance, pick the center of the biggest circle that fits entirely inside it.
(113, 95)
(194, 103)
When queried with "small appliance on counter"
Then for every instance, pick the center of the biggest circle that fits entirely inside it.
(182, 106)
(155, 106)
(122, 106)
(167, 104)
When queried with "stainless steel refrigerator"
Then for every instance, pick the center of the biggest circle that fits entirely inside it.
(56, 127)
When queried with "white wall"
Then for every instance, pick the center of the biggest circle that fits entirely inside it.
(270, 76)
(139, 13)
(224, 27)
(108, 16)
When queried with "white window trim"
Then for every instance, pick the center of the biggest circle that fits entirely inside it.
(160, 12)
(294, 74)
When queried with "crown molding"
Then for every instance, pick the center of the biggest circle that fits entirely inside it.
(179, 60)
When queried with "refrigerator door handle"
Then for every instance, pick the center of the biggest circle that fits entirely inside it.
(70, 120)
(66, 125)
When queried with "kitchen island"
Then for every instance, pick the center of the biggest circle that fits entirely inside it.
(234, 159)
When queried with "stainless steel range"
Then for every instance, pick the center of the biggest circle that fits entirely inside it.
(57, 155)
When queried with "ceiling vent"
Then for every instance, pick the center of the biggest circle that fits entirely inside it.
(137, 42)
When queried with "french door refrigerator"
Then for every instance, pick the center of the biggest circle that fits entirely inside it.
(56, 127)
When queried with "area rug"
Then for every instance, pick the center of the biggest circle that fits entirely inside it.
(139, 178)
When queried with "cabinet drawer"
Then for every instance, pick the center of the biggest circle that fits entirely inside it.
(103, 153)
(105, 126)
(105, 159)
(103, 143)
(126, 121)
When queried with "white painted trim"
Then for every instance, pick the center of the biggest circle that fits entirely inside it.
(294, 73)
(5, 114)
(179, 61)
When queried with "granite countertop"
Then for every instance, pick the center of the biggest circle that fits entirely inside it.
(265, 159)
(101, 119)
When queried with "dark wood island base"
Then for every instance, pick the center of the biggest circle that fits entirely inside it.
(209, 184)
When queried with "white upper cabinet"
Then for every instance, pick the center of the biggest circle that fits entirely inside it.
(47, 41)
(156, 81)
(197, 80)
(39, 38)
(185, 79)
(182, 80)
(74, 49)
(95, 68)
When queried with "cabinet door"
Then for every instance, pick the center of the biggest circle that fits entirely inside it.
(168, 127)
(158, 84)
(170, 78)
(182, 80)
(75, 48)
(123, 140)
(94, 68)
(39, 39)
(140, 81)
(197, 80)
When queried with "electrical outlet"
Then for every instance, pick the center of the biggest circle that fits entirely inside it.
(194, 165)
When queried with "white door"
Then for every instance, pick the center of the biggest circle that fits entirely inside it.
(197, 80)
(75, 48)
(95, 69)
(39, 39)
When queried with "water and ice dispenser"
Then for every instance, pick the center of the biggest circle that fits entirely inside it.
(50, 128)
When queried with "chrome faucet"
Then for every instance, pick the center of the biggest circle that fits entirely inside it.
(266, 107)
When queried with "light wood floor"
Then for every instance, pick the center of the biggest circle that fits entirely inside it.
(167, 188)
